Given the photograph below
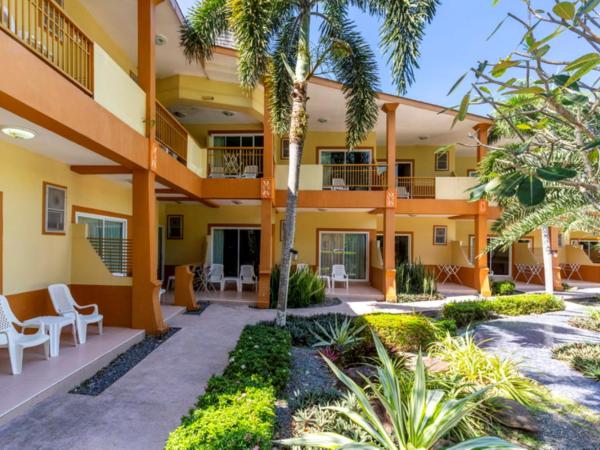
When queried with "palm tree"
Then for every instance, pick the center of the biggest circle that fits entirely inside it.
(283, 43)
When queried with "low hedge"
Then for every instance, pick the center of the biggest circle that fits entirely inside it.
(237, 411)
(400, 332)
(504, 287)
(463, 313)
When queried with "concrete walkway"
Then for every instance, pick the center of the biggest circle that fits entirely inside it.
(140, 409)
(530, 339)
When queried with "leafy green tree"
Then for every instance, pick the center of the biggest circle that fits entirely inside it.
(542, 165)
(284, 43)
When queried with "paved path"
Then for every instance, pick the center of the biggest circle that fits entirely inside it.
(140, 409)
(531, 338)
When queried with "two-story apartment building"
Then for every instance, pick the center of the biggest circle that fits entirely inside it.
(120, 161)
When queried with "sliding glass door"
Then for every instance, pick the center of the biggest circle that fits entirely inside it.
(235, 247)
(347, 248)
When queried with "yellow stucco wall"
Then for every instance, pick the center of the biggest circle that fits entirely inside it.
(84, 20)
(33, 260)
(463, 164)
(196, 219)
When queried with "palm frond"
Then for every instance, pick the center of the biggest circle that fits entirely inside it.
(206, 21)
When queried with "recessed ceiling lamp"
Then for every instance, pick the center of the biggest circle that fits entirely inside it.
(322, 120)
(423, 138)
(18, 133)
(228, 113)
(236, 202)
(322, 210)
(179, 114)
(160, 40)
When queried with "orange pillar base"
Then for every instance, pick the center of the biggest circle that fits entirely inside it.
(389, 285)
(184, 288)
(264, 291)
(482, 282)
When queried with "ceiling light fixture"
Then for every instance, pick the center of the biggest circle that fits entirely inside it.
(228, 113)
(322, 120)
(423, 138)
(236, 202)
(179, 114)
(19, 133)
(207, 98)
(160, 40)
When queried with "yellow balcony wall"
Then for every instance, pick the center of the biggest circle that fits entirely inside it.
(311, 177)
(117, 92)
(196, 158)
(453, 188)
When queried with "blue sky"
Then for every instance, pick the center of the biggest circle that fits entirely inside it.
(454, 41)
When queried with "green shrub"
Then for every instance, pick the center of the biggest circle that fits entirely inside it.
(519, 305)
(237, 411)
(464, 313)
(240, 420)
(415, 279)
(303, 329)
(445, 327)
(400, 332)
(504, 287)
(305, 289)
(584, 358)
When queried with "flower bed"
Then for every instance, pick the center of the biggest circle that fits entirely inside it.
(584, 358)
(464, 313)
(237, 411)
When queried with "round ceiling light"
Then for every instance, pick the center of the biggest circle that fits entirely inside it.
(228, 113)
(322, 120)
(160, 40)
(18, 133)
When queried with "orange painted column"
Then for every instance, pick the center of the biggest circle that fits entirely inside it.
(267, 195)
(389, 213)
(481, 280)
(146, 312)
(556, 275)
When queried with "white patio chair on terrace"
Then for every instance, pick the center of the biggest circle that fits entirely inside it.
(338, 274)
(217, 275)
(66, 306)
(402, 192)
(250, 172)
(247, 276)
(16, 341)
(301, 266)
(338, 184)
(217, 172)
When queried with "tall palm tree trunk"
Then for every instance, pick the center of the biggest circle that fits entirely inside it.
(298, 127)
(547, 254)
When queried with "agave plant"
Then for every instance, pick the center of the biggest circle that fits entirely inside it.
(418, 421)
(338, 334)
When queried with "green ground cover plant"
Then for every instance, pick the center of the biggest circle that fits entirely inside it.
(400, 332)
(590, 322)
(237, 411)
(464, 313)
(584, 358)
(503, 287)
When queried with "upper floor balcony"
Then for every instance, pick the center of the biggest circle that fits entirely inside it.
(234, 162)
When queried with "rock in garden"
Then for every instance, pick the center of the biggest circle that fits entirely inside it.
(433, 365)
(514, 415)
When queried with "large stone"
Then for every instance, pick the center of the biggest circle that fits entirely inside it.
(514, 415)
(433, 365)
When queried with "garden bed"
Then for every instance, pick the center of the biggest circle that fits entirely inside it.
(122, 364)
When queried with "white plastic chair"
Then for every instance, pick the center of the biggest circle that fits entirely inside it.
(16, 341)
(217, 172)
(338, 274)
(250, 172)
(402, 192)
(247, 276)
(66, 306)
(217, 275)
(338, 184)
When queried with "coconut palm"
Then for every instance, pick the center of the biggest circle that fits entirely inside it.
(283, 43)
(419, 420)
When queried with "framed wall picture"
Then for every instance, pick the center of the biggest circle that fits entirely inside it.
(284, 151)
(440, 235)
(442, 162)
(54, 210)
(175, 226)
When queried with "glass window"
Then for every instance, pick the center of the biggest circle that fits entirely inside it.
(440, 235)
(55, 204)
(442, 161)
(348, 249)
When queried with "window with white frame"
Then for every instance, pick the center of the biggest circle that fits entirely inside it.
(55, 206)
(442, 162)
(440, 235)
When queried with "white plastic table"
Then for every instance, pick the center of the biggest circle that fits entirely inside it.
(53, 325)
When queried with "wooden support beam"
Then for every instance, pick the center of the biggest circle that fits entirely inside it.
(100, 170)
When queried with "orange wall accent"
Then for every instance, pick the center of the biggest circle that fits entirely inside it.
(172, 173)
(50, 100)
(231, 189)
(27, 305)
(114, 302)
(184, 289)
(334, 199)
(432, 206)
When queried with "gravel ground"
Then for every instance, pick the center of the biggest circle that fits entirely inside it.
(122, 364)
(530, 339)
(308, 374)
